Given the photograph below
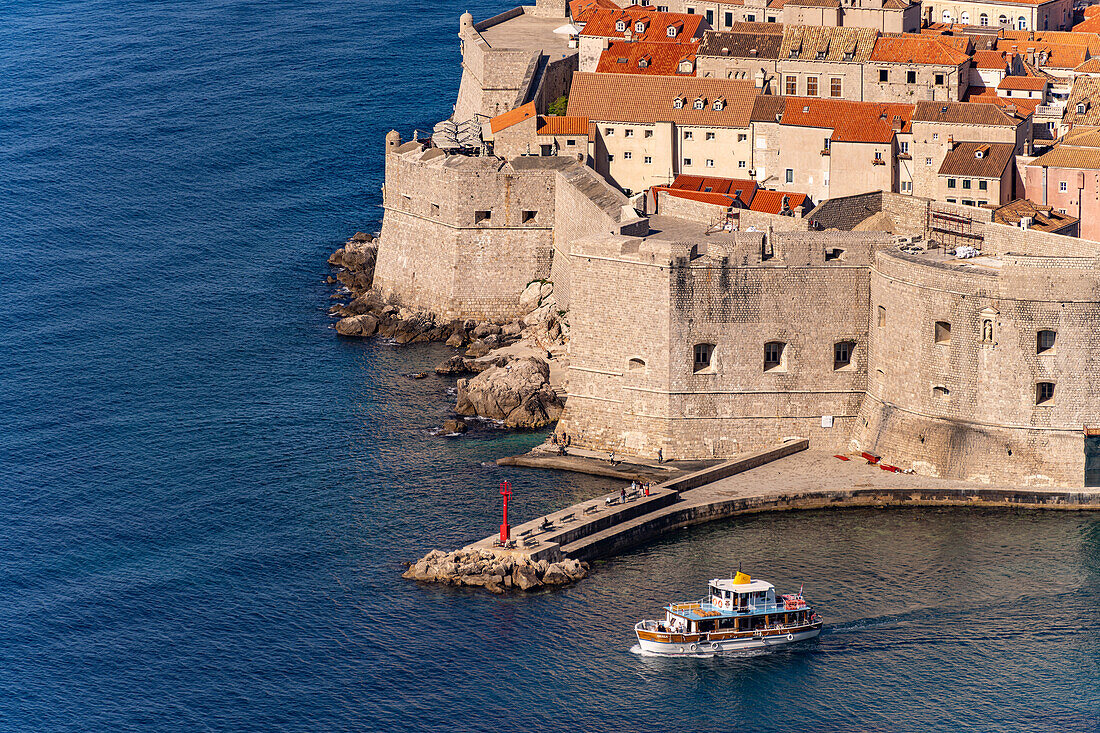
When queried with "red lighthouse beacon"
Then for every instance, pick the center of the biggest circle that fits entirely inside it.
(505, 491)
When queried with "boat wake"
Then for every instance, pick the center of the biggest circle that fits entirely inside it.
(732, 654)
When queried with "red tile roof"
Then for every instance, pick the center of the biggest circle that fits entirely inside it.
(771, 202)
(647, 57)
(1023, 83)
(511, 117)
(1089, 24)
(727, 191)
(996, 60)
(654, 25)
(917, 49)
(984, 95)
(562, 125)
(581, 10)
(648, 99)
(868, 122)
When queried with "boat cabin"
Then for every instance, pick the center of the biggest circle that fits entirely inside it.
(737, 604)
(751, 596)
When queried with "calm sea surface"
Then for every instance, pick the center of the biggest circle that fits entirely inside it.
(205, 496)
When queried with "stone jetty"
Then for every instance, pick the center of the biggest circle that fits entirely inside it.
(787, 477)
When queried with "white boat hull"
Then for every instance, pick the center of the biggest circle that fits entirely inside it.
(694, 648)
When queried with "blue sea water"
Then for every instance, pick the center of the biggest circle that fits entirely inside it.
(205, 496)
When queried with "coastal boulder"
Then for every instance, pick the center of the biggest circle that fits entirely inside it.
(524, 577)
(556, 574)
(518, 394)
(364, 325)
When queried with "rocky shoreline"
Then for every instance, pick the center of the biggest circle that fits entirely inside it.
(495, 573)
(513, 388)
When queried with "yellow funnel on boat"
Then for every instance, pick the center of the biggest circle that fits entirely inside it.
(741, 579)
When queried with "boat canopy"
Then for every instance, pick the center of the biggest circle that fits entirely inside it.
(732, 584)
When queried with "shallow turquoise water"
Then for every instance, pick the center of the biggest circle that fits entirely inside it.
(207, 496)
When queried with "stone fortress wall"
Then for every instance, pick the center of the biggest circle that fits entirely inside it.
(503, 69)
(463, 235)
(640, 306)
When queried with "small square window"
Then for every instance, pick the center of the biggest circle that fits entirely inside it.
(966, 183)
(570, 141)
(610, 158)
(687, 161)
(435, 209)
(648, 159)
(939, 79)
(835, 87)
(983, 185)
(935, 136)
(628, 132)
(648, 133)
(883, 75)
(688, 135)
(742, 137)
(775, 356)
(609, 131)
(710, 163)
(482, 216)
(1044, 341)
(910, 77)
(740, 164)
(1062, 186)
(943, 332)
(842, 354)
(928, 161)
(1044, 393)
(703, 358)
(529, 216)
(951, 183)
(710, 136)
(790, 175)
(627, 155)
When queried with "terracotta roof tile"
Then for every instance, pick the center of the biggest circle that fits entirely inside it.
(1092, 66)
(727, 191)
(1069, 156)
(647, 57)
(965, 113)
(740, 44)
(1091, 41)
(771, 202)
(581, 10)
(1043, 218)
(511, 117)
(1012, 105)
(767, 106)
(917, 49)
(562, 125)
(1024, 83)
(964, 160)
(770, 29)
(827, 43)
(849, 121)
(654, 24)
(1088, 25)
(647, 99)
(1086, 91)
(995, 60)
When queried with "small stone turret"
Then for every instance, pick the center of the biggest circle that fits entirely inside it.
(465, 22)
(393, 139)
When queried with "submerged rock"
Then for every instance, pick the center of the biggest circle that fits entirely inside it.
(454, 426)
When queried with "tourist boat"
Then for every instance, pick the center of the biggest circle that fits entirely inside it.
(740, 613)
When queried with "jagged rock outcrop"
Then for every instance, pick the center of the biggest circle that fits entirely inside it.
(357, 258)
(495, 573)
(518, 394)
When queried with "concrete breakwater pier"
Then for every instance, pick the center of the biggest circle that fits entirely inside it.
(787, 477)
